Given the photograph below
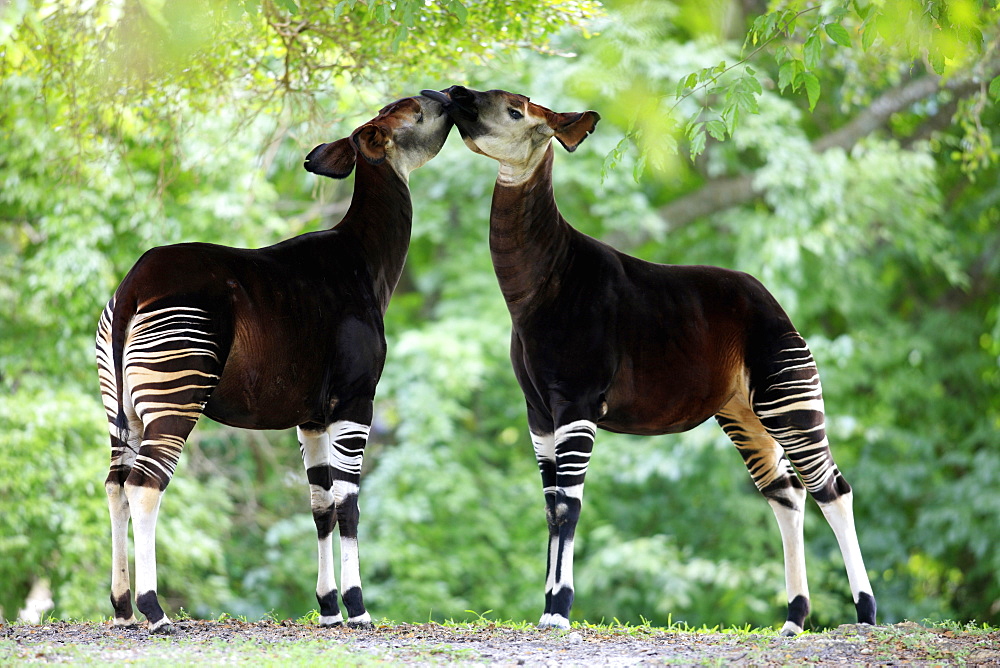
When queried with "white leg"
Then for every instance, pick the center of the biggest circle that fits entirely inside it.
(790, 516)
(840, 515)
(144, 503)
(121, 593)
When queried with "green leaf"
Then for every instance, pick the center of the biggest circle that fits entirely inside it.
(785, 74)
(290, 6)
(995, 88)
(868, 35)
(382, 13)
(811, 51)
(698, 141)
(639, 168)
(686, 83)
(717, 129)
(399, 38)
(937, 61)
(459, 10)
(812, 88)
(838, 34)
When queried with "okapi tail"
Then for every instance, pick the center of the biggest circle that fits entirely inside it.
(122, 312)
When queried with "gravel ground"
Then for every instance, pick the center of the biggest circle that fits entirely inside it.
(485, 644)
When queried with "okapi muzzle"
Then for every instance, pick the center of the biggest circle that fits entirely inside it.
(461, 105)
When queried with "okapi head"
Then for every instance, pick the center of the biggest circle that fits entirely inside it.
(510, 128)
(406, 134)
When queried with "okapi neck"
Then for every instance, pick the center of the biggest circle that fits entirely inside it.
(529, 238)
(380, 218)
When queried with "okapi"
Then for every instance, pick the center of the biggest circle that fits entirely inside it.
(603, 339)
(290, 335)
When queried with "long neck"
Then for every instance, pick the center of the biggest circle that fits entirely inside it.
(380, 218)
(529, 238)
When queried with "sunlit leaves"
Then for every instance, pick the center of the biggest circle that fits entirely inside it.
(948, 35)
(103, 61)
(838, 34)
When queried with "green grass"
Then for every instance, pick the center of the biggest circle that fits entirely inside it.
(615, 627)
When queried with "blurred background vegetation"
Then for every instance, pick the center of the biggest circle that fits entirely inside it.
(844, 153)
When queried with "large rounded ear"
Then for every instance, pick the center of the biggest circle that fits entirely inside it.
(335, 159)
(371, 141)
(572, 129)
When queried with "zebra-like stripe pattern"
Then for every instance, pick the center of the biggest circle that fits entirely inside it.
(778, 426)
(563, 458)
(347, 440)
(789, 404)
(333, 459)
(170, 366)
(124, 441)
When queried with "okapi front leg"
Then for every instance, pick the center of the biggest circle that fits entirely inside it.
(573, 443)
(348, 440)
(315, 446)
(545, 454)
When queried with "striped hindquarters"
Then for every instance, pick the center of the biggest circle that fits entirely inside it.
(789, 403)
(170, 365)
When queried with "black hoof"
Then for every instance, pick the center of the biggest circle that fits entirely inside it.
(363, 626)
(164, 630)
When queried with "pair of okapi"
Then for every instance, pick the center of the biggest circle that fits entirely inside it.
(292, 336)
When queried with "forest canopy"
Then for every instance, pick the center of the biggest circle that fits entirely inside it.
(844, 153)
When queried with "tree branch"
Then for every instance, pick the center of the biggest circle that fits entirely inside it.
(724, 193)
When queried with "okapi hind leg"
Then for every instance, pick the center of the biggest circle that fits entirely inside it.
(773, 476)
(145, 504)
(788, 400)
(122, 456)
(126, 435)
(545, 455)
(121, 592)
(154, 466)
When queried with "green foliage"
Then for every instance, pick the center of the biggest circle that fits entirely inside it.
(794, 49)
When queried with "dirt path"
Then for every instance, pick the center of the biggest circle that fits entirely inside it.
(280, 643)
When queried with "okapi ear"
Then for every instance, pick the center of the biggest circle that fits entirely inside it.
(371, 141)
(572, 129)
(335, 159)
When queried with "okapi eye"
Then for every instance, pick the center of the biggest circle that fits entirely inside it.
(420, 118)
(515, 114)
